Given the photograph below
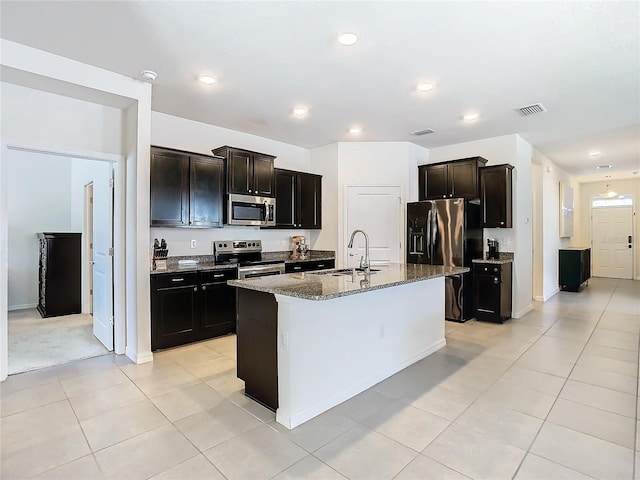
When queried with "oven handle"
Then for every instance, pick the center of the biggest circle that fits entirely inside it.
(276, 267)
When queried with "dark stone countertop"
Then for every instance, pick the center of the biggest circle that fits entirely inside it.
(207, 262)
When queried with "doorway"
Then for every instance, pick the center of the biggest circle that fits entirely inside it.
(611, 237)
(374, 209)
(45, 193)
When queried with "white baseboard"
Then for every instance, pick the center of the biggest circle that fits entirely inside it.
(140, 358)
(523, 312)
(11, 308)
(546, 297)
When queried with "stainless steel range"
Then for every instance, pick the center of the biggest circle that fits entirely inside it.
(247, 255)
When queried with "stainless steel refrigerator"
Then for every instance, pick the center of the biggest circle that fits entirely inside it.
(447, 232)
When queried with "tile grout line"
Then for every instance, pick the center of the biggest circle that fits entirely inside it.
(558, 395)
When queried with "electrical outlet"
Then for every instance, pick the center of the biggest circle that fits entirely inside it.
(193, 244)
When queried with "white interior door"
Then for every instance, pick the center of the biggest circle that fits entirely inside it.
(612, 252)
(103, 261)
(376, 210)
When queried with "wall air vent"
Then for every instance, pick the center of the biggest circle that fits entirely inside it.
(532, 109)
(426, 131)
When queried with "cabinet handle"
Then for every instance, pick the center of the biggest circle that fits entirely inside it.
(181, 279)
(250, 191)
(297, 268)
(204, 287)
(195, 289)
(496, 281)
(320, 265)
(218, 275)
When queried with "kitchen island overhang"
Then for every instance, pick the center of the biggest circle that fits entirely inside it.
(324, 338)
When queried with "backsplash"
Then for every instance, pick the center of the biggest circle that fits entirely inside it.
(179, 239)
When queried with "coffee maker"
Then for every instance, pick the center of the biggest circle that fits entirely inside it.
(494, 250)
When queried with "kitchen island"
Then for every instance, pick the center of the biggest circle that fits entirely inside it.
(309, 341)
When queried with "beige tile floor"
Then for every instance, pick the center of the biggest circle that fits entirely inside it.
(553, 394)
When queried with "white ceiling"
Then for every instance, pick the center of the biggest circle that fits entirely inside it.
(581, 60)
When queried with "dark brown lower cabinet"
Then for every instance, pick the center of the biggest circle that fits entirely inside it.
(60, 277)
(492, 291)
(257, 346)
(187, 307)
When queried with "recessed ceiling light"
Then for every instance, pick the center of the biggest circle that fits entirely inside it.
(599, 167)
(300, 111)
(355, 130)
(208, 79)
(347, 38)
(594, 153)
(425, 87)
(471, 117)
(149, 75)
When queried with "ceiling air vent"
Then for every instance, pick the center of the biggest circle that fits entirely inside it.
(532, 109)
(426, 131)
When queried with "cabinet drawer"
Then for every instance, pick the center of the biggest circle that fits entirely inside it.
(487, 269)
(309, 266)
(168, 280)
(218, 276)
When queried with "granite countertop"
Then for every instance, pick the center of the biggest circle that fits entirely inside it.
(322, 285)
(504, 257)
(207, 262)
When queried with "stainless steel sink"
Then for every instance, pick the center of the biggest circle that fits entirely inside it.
(346, 271)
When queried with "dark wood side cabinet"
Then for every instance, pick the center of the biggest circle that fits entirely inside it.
(452, 179)
(191, 306)
(257, 346)
(492, 291)
(496, 196)
(186, 189)
(60, 275)
(298, 199)
(248, 173)
(574, 268)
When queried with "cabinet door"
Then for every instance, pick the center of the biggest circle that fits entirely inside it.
(285, 198)
(217, 310)
(486, 290)
(205, 192)
(263, 176)
(309, 205)
(173, 311)
(169, 186)
(239, 172)
(463, 179)
(495, 194)
(433, 182)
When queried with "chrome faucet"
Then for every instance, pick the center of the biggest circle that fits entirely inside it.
(364, 264)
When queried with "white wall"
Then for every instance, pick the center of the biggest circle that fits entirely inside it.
(131, 99)
(39, 199)
(550, 177)
(324, 161)
(514, 150)
(42, 194)
(586, 194)
(182, 134)
(361, 163)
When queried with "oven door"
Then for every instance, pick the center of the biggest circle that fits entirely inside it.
(249, 210)
(254, 271)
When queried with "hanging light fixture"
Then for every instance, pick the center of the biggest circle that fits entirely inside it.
(609, 193)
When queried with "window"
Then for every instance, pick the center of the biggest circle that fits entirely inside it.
(619, 201)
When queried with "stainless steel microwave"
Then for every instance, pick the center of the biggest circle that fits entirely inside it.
(250, 210)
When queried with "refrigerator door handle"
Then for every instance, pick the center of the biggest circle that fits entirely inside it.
(429, 234)
(435, 232)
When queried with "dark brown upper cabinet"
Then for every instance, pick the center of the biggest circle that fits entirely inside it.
(453, 179)
(186, 189)
(298, 199)
(496, 196)
(248, 173)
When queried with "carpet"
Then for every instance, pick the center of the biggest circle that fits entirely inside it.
(36, 342)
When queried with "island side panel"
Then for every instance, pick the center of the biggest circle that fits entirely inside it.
(257, 324)
(331, 350)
